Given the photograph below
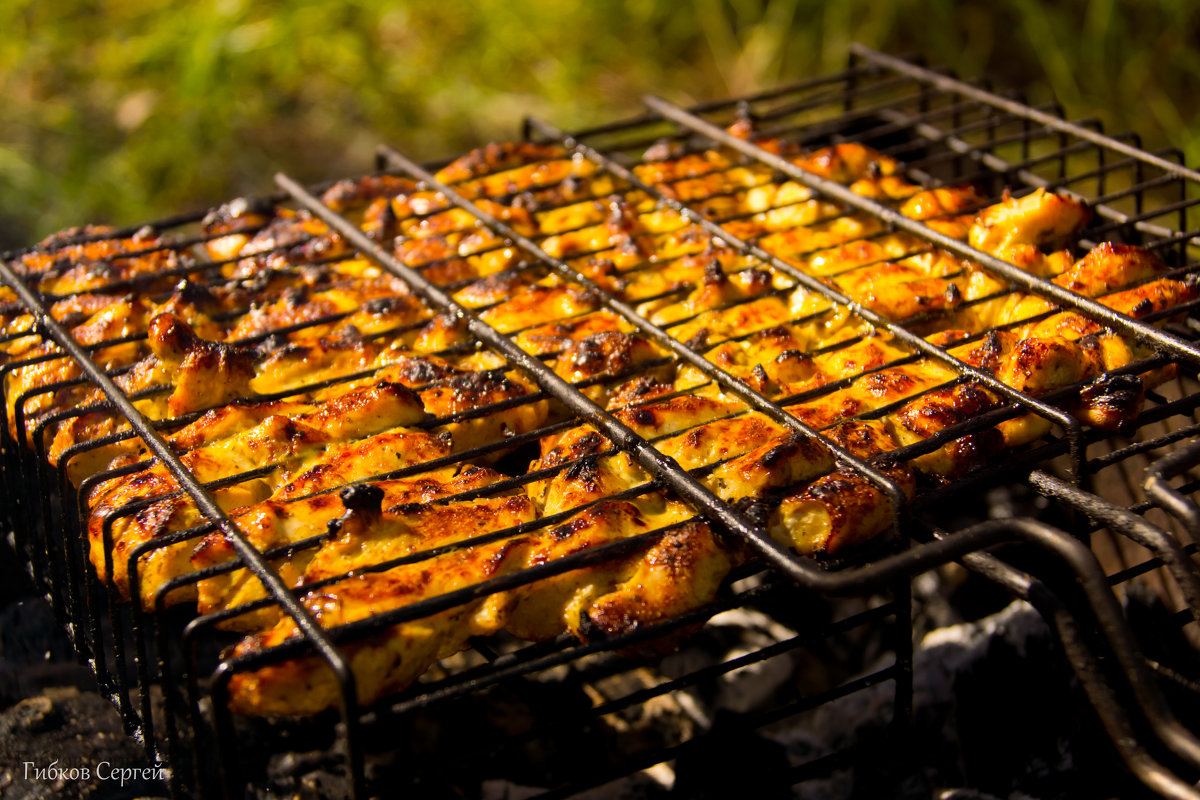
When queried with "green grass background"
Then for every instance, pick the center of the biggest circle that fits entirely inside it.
(128, 110)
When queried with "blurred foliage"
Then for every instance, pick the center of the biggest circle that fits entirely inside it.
(129, 110)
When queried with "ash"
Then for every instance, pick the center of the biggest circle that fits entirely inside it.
(53, 717)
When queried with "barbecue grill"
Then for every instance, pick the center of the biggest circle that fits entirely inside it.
(1110, 510)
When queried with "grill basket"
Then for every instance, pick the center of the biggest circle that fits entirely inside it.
(1095, 513)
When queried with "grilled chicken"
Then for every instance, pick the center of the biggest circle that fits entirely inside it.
(672, 571)
(392, 519)
(844, 507)
(353, 434)
(149, 504)
(389, 660)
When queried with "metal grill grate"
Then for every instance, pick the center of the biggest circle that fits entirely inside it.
(166, 672)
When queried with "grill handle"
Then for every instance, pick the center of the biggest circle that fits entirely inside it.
(1088, 668)
(1159, 489)
(1133, 526)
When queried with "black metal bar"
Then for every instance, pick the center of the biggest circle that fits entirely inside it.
(411, 611)
(833, 128)
(15, 335)
(59, 591)
(1145, 446)
(77, 573)
(1184, 615)
(988, 124)
(731, 102)
(692, 678)
(29, 524)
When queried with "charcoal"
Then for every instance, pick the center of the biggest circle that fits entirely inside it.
(68, 743)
